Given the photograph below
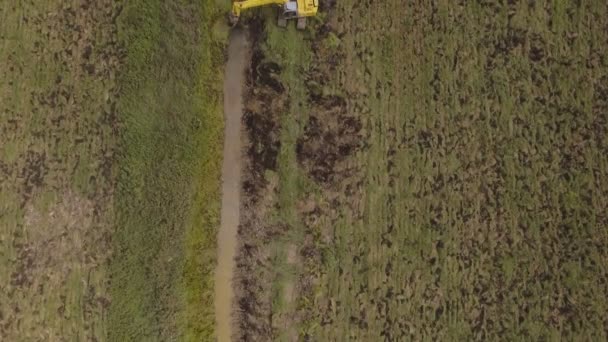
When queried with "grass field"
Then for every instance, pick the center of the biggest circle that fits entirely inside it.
(441, 173)
(58, 127)
(109, 169)
(168, 185)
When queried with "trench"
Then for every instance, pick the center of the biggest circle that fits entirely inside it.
(231, 183)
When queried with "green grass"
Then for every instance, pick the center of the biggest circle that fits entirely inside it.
(482, 208)
(55, 191)
(168, 184)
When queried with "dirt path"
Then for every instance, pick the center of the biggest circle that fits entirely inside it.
(231, 180)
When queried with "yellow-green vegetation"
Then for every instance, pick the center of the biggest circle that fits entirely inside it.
(58, 127)
(460, 155)
(278, 277)
(167, 200)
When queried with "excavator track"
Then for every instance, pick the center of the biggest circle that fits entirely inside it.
(282, 21)
(301, 25)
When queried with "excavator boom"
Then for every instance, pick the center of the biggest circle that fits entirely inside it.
(298, 9)
(237, 6)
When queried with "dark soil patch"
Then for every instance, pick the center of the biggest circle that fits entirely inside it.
(264, 101)
(329, 139)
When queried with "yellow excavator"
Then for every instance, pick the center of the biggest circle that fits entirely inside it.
(289, 9)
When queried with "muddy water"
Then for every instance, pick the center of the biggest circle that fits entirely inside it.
(231, 180)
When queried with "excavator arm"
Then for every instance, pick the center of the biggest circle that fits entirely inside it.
(308, 8)
(237, 6)
(291, 9)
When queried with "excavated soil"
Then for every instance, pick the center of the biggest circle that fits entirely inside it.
(330, 139)
(264, 102)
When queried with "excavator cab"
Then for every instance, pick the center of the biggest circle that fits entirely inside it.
(289, 11)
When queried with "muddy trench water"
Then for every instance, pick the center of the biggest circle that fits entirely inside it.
(231, 183)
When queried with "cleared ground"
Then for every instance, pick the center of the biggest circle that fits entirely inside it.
(428, 171)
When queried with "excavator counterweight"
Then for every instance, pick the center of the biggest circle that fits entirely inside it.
(289, 9)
